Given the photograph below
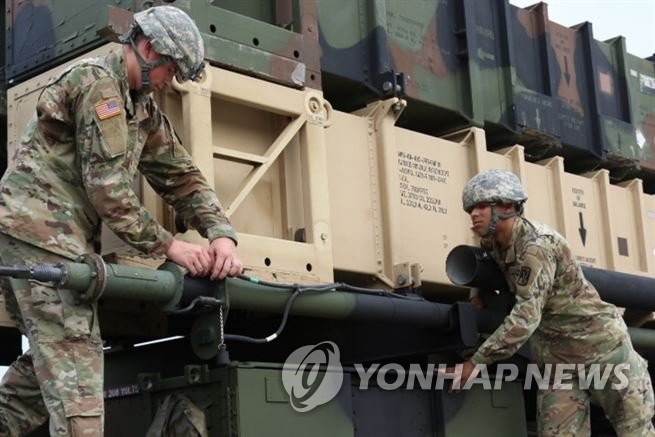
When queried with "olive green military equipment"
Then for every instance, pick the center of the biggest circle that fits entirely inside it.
(244, 384)
(525, 78)
(274, 40)
(626, 100)
(277, 41)
(556, 90)
(178, 416)
(93, 279)
(40, 35)
(459, 63)
(240, 384)
(258, 403)
(261, 38)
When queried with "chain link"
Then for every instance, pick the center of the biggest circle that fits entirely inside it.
(221, 338)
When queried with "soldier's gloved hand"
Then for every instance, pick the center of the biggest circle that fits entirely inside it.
(194, 258)
(224, 259)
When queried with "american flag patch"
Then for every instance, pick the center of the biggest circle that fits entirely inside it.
(108, 109)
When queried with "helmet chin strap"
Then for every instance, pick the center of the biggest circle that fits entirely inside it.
(146, 67)
(495, 218)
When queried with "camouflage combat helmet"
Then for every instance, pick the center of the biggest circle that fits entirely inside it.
(174, 35)
(493, 186)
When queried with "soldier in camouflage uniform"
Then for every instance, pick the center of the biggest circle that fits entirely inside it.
(94, 127)
(559, 310)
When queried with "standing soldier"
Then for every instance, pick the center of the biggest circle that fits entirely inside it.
(94, 127)
(558, 310)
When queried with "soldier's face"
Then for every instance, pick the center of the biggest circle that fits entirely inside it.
(480, 217)
(162, 76)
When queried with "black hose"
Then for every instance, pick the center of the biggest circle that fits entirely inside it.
(208, 304)
(298, 289)
(336, 286)
(283, 324)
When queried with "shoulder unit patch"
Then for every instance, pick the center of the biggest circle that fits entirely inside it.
(523, 276)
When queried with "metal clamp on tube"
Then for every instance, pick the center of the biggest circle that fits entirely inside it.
(90, 271)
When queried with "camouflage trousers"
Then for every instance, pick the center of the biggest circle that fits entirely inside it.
(630, 410)
(60, 377)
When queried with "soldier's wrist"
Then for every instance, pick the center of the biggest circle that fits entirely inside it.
(166, 240)
(222, 232)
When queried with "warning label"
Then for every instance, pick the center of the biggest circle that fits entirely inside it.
(419, 181)
(578, 199)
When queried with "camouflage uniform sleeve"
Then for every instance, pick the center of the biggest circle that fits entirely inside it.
(102, 139)
(532, 288)
(171, 172)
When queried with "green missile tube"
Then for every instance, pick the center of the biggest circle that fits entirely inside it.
(93, 279)
(334, 304)
(643, 339)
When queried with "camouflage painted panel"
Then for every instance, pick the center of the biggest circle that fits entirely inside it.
(260, 39)
(626, 93)
(641, 85)
(47, 33)
(253, 46)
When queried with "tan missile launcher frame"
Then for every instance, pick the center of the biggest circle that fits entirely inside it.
(316, 193)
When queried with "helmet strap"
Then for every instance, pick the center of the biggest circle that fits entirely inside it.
(146, 67)
(495, 218)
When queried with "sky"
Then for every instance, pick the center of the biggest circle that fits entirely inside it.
(633, 19)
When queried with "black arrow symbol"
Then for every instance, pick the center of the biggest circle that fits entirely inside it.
(582, 230)
(567, 76)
